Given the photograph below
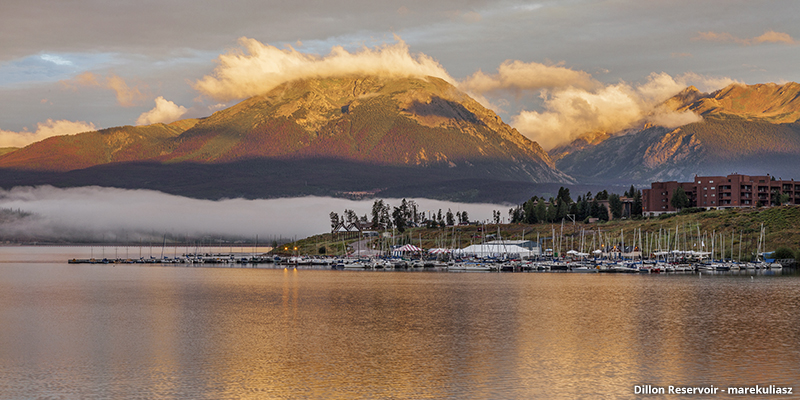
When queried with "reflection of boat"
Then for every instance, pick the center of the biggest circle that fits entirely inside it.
(355, 265)
(469, 267)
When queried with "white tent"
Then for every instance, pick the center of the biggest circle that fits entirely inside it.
(496, 250)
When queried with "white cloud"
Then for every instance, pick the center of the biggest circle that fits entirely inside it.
(165, 112)
(573, 107)
(43, 131)
(57, 60)
(259, 67)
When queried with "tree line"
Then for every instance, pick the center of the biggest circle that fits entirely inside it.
(407, 214)
(562, 207)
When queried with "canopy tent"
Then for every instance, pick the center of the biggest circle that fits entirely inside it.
(438, 251)
(408, 248)
(496, 250)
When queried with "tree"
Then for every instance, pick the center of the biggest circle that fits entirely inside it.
(449, 217)
(552, 211)
(377, 208)
(563, 195)
(782, 198)
(399, 218)
(334, 220)
(615, 204)
(783, 253)
(529, 211)
(637, 208)
(679, 199)
(516, 214)
(541, 211)
(594, 210)
(464, 218)
(603, 213)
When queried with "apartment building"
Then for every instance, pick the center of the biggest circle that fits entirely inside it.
(720, 192)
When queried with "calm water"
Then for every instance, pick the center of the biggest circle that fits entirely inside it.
(130, 331)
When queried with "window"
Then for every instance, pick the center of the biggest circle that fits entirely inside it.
(710, 181)
(712, 188)
(712, 194)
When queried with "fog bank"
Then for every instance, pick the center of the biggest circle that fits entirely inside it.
(95, 213)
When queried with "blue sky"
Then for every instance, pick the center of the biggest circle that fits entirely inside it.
(106, 63)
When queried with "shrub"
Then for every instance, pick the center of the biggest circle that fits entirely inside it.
(782, 253)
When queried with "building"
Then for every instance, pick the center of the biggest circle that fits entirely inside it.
(627, 207)
(712, 192)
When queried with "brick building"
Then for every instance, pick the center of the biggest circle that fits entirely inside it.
(719, 192)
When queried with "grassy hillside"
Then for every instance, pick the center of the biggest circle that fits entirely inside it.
(70, 152)
(782, 226)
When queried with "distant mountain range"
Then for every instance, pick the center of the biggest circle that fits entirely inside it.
(748, 129)
(347, 136)
(371, 136)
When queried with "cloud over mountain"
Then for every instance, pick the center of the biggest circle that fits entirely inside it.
(43, 131)
(259, 68)
(571, 110)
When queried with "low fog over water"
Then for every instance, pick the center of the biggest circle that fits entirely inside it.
(98, 213)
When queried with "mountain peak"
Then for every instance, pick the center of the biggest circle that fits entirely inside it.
(424, 127)
(769, 101)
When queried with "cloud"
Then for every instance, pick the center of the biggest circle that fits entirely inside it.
(259, 68)
(767, 37)
(517, 76)
(673, 119)
(57, 60)
(164, 112)
(571, 111)
(43, 131)
(126, 96)
(95, 212)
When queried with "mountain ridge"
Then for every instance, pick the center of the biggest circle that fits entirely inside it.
(421, 126)
(745, 128)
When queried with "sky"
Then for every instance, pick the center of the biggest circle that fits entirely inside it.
(551, 69)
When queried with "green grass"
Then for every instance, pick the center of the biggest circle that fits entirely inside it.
(782, 226)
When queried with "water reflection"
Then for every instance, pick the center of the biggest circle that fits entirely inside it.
(81, 331)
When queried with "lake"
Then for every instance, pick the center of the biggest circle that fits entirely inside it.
(148, 331)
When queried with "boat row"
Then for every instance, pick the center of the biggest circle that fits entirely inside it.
(457, 265)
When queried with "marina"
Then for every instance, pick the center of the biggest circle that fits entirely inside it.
(679, 265)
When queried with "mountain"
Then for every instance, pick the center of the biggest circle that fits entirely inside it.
(362, 134)
(746, 129)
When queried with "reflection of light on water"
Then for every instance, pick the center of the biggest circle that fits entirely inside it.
(123, 331)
